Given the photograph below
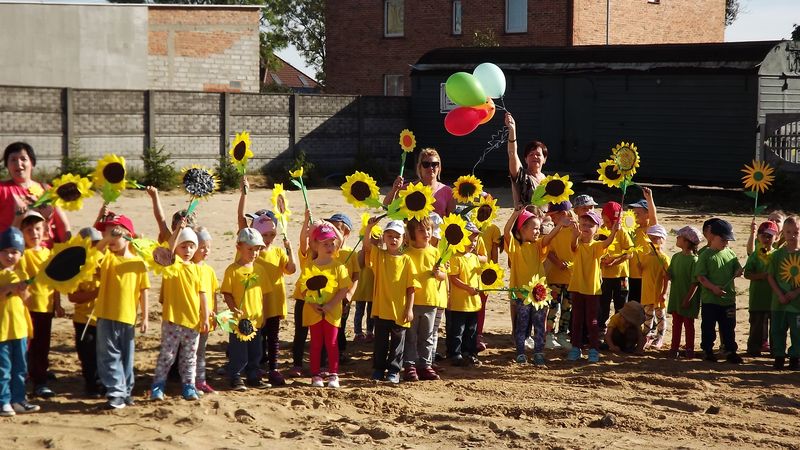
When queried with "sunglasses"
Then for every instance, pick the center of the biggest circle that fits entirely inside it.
(429, 164)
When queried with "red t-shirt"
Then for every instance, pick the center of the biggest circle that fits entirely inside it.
(8, 206)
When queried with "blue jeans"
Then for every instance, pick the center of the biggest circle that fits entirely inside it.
(115, 357)
(725, 316)
(359, 317)
(13, 368)
(245, 356)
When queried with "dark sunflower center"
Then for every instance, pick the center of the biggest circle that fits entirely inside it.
(66, 264)
(758, 176)
(466, 190)
(360, 190)
(453, 234)
(488, 277)
(601, 237)
(69, 192)
(163, 257)
(611, 172)
(239, 151)
(198, 182)
(317, 283)
(554, 188)
(416, 201)
(114, 173)
(245, 327)
(484, 212)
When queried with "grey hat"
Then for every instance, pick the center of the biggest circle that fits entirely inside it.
(583, 200)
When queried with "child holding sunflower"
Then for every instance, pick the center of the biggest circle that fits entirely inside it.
(614, 265)
(345, 256)
(646, 216)
(756, 269)
(465, 302)
(123, 283)
(654, 266)
(784, 278)
(164, 232)
(490, 240)
(558, 268)
(210, 285)
(684, 303)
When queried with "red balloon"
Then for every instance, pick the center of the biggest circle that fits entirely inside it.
(463, 120)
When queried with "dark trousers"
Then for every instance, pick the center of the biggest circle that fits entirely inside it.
(389, 343)
(584, 318)
(39, 349)
(358, 320)
(462, 333)
(635, 290)
(300, 334)
(725, 316)
(341, 339)
(613, 290)
(87, 354)
(269, 342)
(759, 331)
(244, 356)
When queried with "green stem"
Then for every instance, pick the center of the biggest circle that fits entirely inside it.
(402, 163)
(755, 208)
(360, 239)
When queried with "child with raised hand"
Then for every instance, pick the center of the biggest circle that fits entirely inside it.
(393, 299)
(346, 257)
(777, 217)
(717, 267)
(44, 302)
(526, 254)
(684, 301)
(210, 285)
(585, 283)
(624, 331)
(85, 323)
(785, 283)
(654, 266)
(646, 216)
(123, 283)
(323, 320)
(15, 326)
(164, 231)
(558, 269)
(491, 240)
(464, 304)
(419, 347)
(756, 269)
(363, 295)
(300, 331)
(615, 267)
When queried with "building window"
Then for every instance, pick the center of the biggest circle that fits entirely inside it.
(457, 17)
(393, 11)
(276, 78)
(393, 85)
(516, 16)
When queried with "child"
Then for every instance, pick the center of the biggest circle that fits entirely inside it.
(582, 204)
(684, 303)
(653, 265)
(490, 240)
(777, 217)
(786, 297)
(210, 285)
(646, 216)
(615, 268)
(392, 300)
(526, 255)
(165, 232)
(123, 282)
(584, 285)
(44, 302)
(363, 297)
(323, 320)
(462, 321)
(419, 347)
(756, 269)
(184, 317)
(559, 272)
(345, 256)
(14, 328)
(717, 268)
(245, 288)
(86, 325)
(624, 332)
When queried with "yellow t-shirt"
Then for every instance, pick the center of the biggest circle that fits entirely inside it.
(467, 268)
(393, 276)
(121, 282)
(334, 316)
(352, 266)
(366, 284)
(432, 292)
(640, 239)
(15, 322)
(621, 243)
(182, 297)
(302, 261)
(617, 322)
(274, 260)
(561, 247)
(489, 237)
(654, 270)
(586, 274)
(84, 310)
(250, 298)
(526, 260)
(209, 283)
(32, 261)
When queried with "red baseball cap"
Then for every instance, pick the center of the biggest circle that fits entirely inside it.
(612, 210)
(113, 220)
(768, 227)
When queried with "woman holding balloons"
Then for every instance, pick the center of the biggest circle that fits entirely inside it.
(524, 179)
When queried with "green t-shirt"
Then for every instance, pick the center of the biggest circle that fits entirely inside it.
(760, 290)
(719, 267)
(681, 271)
(783, 279)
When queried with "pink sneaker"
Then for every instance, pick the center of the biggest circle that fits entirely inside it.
(203, 387)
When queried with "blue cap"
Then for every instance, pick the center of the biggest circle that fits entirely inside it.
(12, 238)
(640, 204)
(262, 212)
(561, 206)
(723, 229)
(339, 217)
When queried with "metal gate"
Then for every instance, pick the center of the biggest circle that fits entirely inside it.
(782, 137)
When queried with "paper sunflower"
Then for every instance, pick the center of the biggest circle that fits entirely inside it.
(377, 231)
(415, 201)
(759, 177)
(35, 190)
(244, 330)
(491, 276)
(110, 171)
(538, 294)
(610, 174)
(454, 233)
(603, 234)
(628, 221)
(161, 260)
(199, 182)
(70, 264)
(407, 141)
(69, 190)
(626, 157)
(319, 282)
(557, 189)
(790, 270)
(361, 190)
(466, 188)
(280, 205)
(240, 151)
(485, 211)
(296, 173)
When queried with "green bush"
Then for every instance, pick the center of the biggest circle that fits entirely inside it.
(229, 177)
(158, 170)
(76, 163)
(279, 173)
(377, 168)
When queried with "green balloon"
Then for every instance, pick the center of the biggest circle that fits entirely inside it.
(465, 90)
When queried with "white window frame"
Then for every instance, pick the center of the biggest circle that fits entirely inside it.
(399, 83)
(457, 18)
(518, 3)
(445, 104)
(387, 4)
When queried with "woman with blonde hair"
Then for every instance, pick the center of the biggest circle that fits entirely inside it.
(429, 169)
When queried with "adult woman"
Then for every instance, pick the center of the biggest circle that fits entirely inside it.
(18, 193)
(524, 179)
(429, 167)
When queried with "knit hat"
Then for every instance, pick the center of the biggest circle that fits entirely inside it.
(690, 233)
(186, 234)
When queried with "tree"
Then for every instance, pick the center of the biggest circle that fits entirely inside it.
(302, 22)
(732, 10)
(796, 33)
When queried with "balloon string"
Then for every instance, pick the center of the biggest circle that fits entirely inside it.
(497, 139)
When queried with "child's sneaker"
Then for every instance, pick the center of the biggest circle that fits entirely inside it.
(158, 392)
(538, 360)
(733, 358)
(529, 343)
(674, 354)
(237, 384)
(203, 387)
(711, 357)
(689, 354)
(333, 381)
(258, 383)
(393, 377)
(457, 360)
(316, 381)
(43, 392)
(379, 375)
(410, 374)
(481, 346)
(563, 341)
(129, 401)
(428, 374)
(473, 360)
(189, 392)
(7, 411)
(24, 407)
(295, 372)
(369, 338)
(113, 403)
(276, 379)
(521, 359)
(765, 347)
(550, 342)
(594, 355)
(574, 354)
(360, 338)
(658, 342)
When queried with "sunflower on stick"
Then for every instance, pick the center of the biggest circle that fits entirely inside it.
(619, 169)
(240, 152)
(199, 183)
(280, 206)
(757, 178)
(67, 192)
(231, 320)
(455, 237)
(553, 189)
(407, 143)
(297, 180)
(110, 178)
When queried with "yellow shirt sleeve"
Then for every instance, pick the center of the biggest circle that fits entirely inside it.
(15, 321)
